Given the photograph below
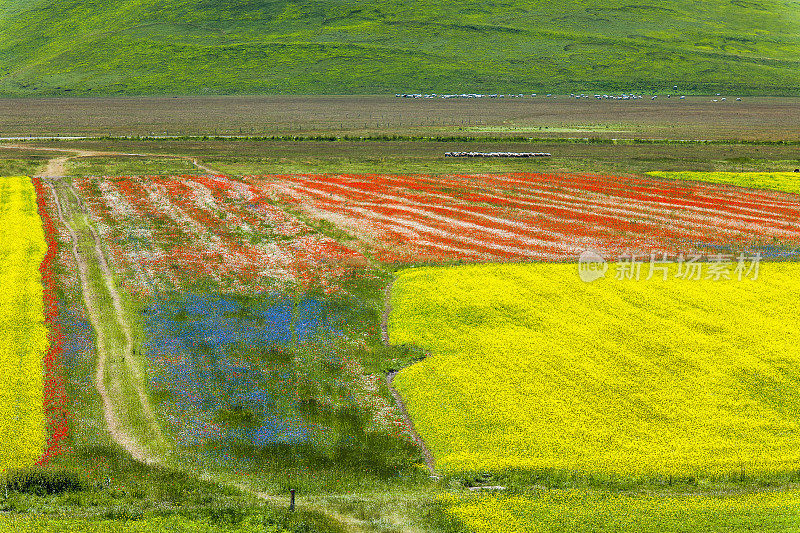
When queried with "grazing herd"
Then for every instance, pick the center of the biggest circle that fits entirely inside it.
(623, 96)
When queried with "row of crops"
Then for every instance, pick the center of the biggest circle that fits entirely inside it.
(168, 233)
(544, 217)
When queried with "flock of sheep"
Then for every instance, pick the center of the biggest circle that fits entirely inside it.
(520, 95)
(496, 154)
(465, 95)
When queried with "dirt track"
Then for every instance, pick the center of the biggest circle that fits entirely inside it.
(118, 433)
(116, 299)
(427, 455)
(56, 167)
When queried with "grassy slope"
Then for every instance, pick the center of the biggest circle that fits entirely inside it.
(344, 46)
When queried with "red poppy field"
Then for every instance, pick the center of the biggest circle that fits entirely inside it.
(409, 219)
(169, 232)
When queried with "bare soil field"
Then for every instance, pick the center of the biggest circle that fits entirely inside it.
(695, 117)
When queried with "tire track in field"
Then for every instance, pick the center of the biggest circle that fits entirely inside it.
(116, 300)
(119, 433)
(427, 455)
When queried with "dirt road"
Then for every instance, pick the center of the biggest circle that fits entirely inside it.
(118, 432)
(121, 319)
(56, 167)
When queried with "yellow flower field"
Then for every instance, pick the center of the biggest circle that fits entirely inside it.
(596, 511)
(532, 368)
(779, 181)
(23, 336)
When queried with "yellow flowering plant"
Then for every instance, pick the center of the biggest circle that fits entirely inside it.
(23, 335)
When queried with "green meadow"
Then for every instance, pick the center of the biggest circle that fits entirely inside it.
(79, 47)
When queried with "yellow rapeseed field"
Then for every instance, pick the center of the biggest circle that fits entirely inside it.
(598, 511)
(779, 181)
(23, 336)
(532, 368)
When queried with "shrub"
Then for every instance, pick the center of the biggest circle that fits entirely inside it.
(40, 481)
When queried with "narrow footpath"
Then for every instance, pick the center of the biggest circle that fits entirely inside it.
(427, 455)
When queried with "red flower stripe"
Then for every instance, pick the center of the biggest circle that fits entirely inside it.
(177, 229)
(544, 216)
(55, 399)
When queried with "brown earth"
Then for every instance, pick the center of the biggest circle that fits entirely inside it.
(696, 117)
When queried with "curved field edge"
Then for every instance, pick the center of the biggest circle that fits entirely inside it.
(777, 181)
(24, 333)
(596, 511)
(533, 370)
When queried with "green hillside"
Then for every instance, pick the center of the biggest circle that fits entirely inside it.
(78, 47)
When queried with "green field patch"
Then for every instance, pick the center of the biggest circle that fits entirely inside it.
(127, 166)
(20, 167)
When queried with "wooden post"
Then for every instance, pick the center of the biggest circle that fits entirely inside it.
(291, 499)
